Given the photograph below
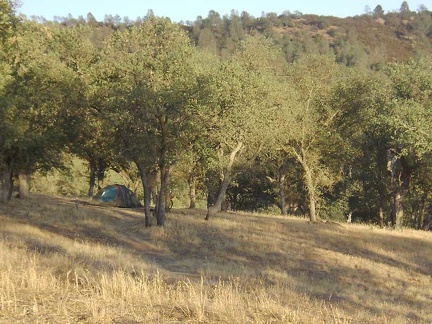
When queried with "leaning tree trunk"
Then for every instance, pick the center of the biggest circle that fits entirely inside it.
(147, 193)
(214, 209)
(309, 182)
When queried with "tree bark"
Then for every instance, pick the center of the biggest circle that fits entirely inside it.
(382, 199)
(153, 178)
(427, 222)
(382, 188)
(6, 182)
(101, 168)
(310, 186)
(24, 184)
(423, 210)
(391, 166)
(381, 217)
(312, 201)
(397, 209)
(192, 191)
(92, 180)
(160, 205)
(400, 177)
(282, 195)
(214, 209)
(148, 215)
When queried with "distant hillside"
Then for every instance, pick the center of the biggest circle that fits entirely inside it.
(366, 39)
(373, 35)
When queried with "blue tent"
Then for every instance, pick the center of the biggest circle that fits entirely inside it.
(117, 195)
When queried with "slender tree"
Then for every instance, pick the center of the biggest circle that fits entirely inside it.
(90, 138)
(305, 122)
(243, 93)
(34, 102)
(409, 119)
(8, 24)
(362, 100)
(147, 87)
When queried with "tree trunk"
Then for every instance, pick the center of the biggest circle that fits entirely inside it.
(391, 166)
(148, 215)
(427, 222)
(312, 206)
(422, 212)
(101, 168)
(160, 205)
(381, 217)
(214, 209)
(311, 191)
(153, 179)
(397, 209)
(168, 200)
(24, 184)
(309, 182)
(382, 199)
(92, 181)
(282, 196)
(6, 183)
(192, 191)
(382, 187)
(400, 177)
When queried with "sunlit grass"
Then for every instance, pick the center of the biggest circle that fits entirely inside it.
(64, 262)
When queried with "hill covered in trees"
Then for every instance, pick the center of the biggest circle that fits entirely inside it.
(371, 39)
(315, 115)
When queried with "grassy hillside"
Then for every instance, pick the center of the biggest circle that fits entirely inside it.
(63, 261)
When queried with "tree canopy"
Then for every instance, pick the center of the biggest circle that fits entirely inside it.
(320, 120)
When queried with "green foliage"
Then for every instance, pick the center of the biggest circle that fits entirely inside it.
(411, 116)
(265, 89)
(378, 11)
(146, 75)
(72, 179)
(308, 120)
(335, 210)
(251, 190)
(8, 20)
(34, 101)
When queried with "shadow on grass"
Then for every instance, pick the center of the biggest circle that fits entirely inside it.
(334, 264)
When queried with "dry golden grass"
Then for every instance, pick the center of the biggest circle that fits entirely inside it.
(62, 262)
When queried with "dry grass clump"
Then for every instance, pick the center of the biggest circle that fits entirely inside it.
(65, 262)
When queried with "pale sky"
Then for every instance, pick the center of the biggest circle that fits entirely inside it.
(185, 10)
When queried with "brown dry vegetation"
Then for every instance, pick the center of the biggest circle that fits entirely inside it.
(66, 262)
